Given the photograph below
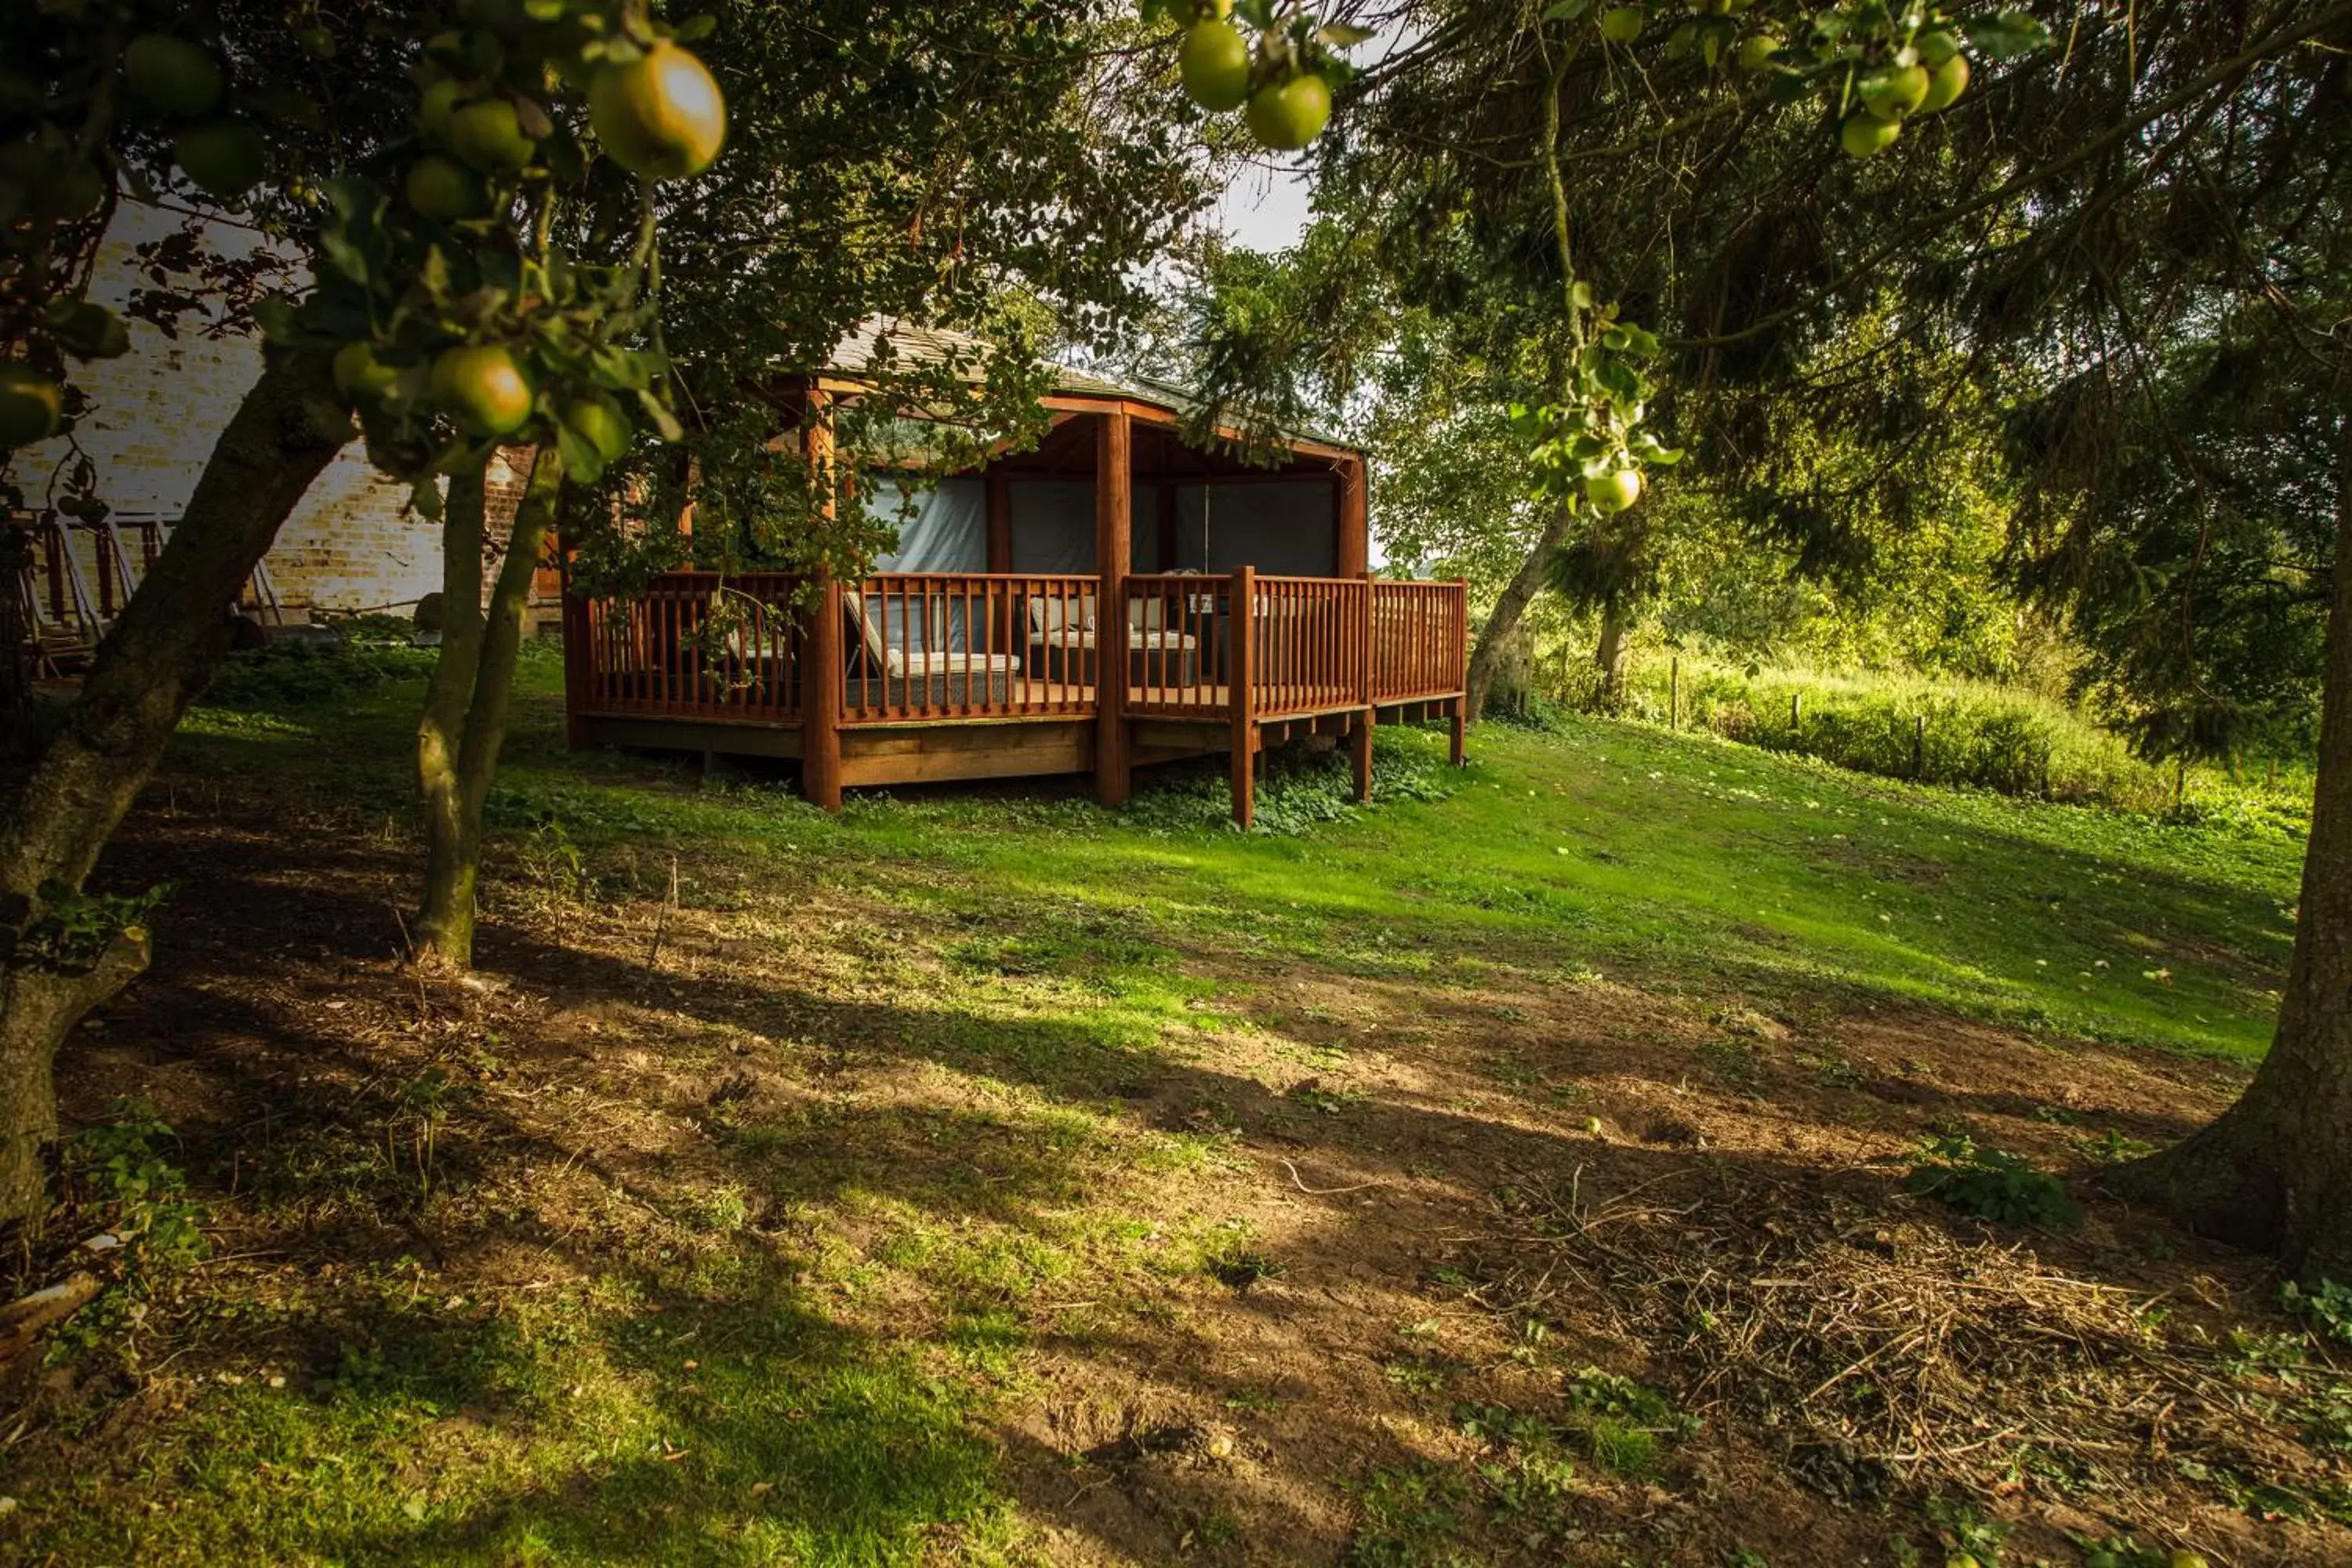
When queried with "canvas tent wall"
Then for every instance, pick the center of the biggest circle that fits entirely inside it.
(1285, 528)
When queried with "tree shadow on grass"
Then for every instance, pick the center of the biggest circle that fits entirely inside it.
(872, 1445)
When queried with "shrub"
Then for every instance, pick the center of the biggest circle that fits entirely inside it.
(1990, 1184)
(1298, 789)
(2013, 741)
(283, 675)
(2326, 1307)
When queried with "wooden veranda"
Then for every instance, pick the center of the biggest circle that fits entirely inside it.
(907, 677)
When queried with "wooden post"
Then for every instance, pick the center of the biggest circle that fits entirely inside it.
(1000, 521)
(1675, 694)
(578, 651)
(1919, 747)
(824, 662)
(823, 671)
(1456, 752)
(1796, 711)
(1241, 656)
(1370, 714)
(1354, 544)
(1114, 530)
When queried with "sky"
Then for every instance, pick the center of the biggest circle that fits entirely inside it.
(1265, 207)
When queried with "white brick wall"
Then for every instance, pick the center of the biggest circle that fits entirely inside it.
(351, 544)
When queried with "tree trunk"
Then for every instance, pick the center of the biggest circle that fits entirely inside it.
(2274, 1172)
(440, 732)
(1611, 654)
(39, 1004)
(1503, 620)
(454, 860)
(154, 661)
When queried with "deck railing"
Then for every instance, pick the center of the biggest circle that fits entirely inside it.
(926, 646)
(1178, 661)
(1420, 640)
(1309, 645)
(696, 645)
(921, 648)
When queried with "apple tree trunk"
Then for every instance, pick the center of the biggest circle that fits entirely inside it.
(156, 659)
(465, 719)
(1493, 647)
(1611, 653)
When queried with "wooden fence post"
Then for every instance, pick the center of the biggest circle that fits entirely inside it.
(1242, 655)
(1360, 737)
(1796, 711)
(1919, 747)
(1675, 694)
(1114, 540)
(823, 668)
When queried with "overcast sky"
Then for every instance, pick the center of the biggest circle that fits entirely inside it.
(1265, 207)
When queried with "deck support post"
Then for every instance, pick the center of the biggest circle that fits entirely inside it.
(1241, 656)
(822, 670)
(1114, 534)
(1360, 741)
(1356, 561)
(823, 658)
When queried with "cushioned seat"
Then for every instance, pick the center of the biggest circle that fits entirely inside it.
(898, 661)
(916, 678)
(1137, 638)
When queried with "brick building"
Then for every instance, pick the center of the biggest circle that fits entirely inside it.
(352, 545)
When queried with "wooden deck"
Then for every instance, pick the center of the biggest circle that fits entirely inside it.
(908, 677)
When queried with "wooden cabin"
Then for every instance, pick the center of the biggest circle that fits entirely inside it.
(1111, 599)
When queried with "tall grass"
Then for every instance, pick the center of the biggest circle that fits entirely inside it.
(1943, 731)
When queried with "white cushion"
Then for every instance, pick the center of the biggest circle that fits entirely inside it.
(1136, 638)
(1055, 614)
(922, 665)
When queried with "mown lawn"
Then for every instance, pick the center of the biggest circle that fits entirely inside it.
(978, 1177)
(1700, 865)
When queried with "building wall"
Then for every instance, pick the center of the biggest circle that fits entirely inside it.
(351, 544)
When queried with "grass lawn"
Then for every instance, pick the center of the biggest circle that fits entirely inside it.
(977, 1177)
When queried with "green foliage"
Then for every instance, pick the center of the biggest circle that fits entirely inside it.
(120, 1169)
(73, 930)
(1298, 792)
(1409, 1516)
(1989, 1184)
(1981, 736)
(1237, 1268)
(2119, 1552)
(2326, 1307)
(291, 675)
(1963, 1529)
